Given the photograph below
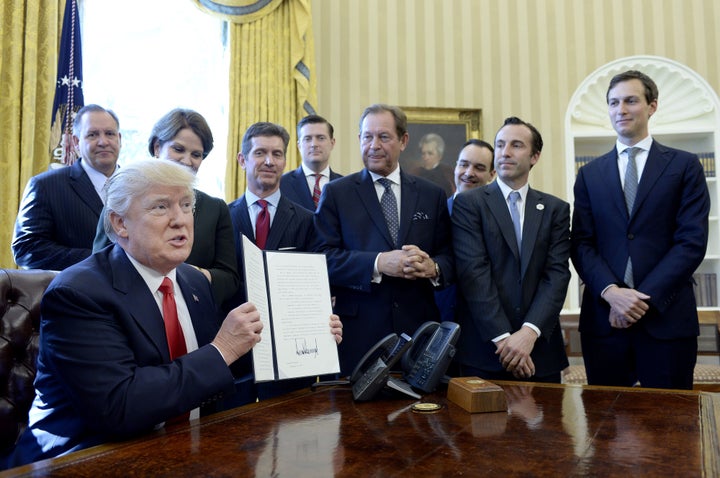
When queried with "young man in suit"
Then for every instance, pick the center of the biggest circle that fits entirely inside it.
(288, 226)
(59, 212)
(640, 229)
(512, 245)
(386, 236)
(315, 142)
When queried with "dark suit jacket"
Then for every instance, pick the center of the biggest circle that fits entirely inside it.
(292, 229)
(104, 370)
(666, 235)
(293, 186)
(352, 231)
(446, 299)
(502, 288)
(213, 244)
(56, 222)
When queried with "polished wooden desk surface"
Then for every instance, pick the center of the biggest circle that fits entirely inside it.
(549, 430)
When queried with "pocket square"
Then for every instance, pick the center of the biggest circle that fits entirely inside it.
(420, 216)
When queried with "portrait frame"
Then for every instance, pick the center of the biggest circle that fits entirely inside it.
(455, 125)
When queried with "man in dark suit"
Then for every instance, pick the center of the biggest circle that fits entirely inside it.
(104, 369)
(60, 209)
(131, 337)
(640, 229)
(315, 142)
(290, 226)
(474, 168)
(512, 245)
(387, 246)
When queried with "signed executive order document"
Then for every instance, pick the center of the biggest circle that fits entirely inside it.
(291, 291)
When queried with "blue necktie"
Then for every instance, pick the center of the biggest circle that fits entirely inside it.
(631, 186)
(388, 203)
(515, 215)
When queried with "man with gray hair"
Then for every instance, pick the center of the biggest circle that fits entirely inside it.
(131, 338)
(59, 212)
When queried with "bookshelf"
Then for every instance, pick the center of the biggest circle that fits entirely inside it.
(688, 117)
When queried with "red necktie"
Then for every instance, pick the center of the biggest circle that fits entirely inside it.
(262, 224)
(173, 331)
(316, 189)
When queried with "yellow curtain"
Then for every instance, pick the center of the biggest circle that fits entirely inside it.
(272, 63)
(29, 40)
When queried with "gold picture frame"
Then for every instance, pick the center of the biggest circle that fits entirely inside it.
(454, 125)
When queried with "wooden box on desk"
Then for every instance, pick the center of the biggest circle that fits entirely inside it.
(476, 395)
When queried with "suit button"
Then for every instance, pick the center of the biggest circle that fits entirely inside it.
(631, 236)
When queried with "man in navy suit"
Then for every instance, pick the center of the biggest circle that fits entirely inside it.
(105, 368)
(264, 146)
(59, 212)
(640, 229)
(383, 266)
(315, 142)
(512, 245)
(474, 168)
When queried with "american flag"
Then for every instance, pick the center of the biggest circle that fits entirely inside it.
(68, 88)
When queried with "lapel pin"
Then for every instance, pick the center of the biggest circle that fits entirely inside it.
(195, 298)
(540, 207)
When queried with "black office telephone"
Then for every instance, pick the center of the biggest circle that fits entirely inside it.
(433, 348)
(425, 359)
(373, 370)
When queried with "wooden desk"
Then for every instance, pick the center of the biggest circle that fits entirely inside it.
(550, 430)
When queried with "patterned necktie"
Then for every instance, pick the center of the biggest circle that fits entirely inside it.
(316, 189)
(631, 186)
(515, 215)
(388, 203)
(262, 224)
(173, 331)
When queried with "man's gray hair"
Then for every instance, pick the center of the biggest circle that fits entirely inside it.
(138, 178)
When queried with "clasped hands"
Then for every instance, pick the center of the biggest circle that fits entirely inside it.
(627, 306)
(410, 262)
(241, 329)
(514, 352)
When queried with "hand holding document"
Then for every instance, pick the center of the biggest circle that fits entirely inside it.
(291, 291)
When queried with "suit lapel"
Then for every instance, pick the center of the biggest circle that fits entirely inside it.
(300, 186)
(610, 178)
(283, 215)
(367, 195)
(658, 159)
(140, 303)
(499, 209)
(203, 326)
(83, 187)
(243, 217)
(534, 212)
(408, 205)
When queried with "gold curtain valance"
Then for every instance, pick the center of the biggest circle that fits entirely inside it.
(238, 11)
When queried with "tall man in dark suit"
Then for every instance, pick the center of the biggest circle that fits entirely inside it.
(512, 245)
(60, 209)
(315, 142)
(387, 245)
(290, 227)
(131, 337)
(640, 229)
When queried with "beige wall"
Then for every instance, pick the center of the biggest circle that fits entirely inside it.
(506, 57)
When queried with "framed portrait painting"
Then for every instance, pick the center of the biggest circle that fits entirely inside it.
(453, 125)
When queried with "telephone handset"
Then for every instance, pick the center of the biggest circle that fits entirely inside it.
(428, 359)
(373, 370)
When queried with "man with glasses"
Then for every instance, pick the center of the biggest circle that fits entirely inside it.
(386, 236)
